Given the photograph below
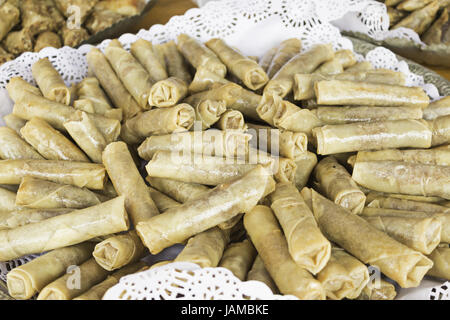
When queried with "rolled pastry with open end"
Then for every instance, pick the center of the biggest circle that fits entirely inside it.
(245, 69)
(11, 16)
(346, 57)
(344, 276)
(305, 165)
(403, 177)
(119, 250)
(22, 216)
(210, 142)
(142, 50)
(238, 257)
(204, 79)
(441, 262)
(42, 194)
(7, 200)
(65, 288)
(12, 146)
(175, 64)
(208, 112)
(51, 143)
(437, 109)
(80, 174)
(421, 234)
(128, 182)
(354, 234)
(17, 88)
(378, 290)
(438, 157)
(282, 82)
(14, 122)
(50, 81)
(338, 185)
(158, 121)
(441, 130)
(26, 280)
(360, 66)
(64, 230)
(350, 114)
(208, 210)
(258, 272)
(357, 136)
(17, 42)
(420, 19)
(344, 92)
(199, 55)
(269, 241)
(85, 133)
(232, 120)
(206, 248)
(285, 51)
(307, 245)
(111, 83)
(162, 201)
(91, 98)
(167, 92)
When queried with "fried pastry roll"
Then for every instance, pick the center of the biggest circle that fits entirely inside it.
(12, 146)
(10, 17)
(437, 109)
(434, 33)
(285, 51)
(360, 66)
(175, 64)
(231, 120)
(205, 79)
(258, 272)
(143, 51)
(22, 216)
(238, 257)
(421, 19)
(47, 39)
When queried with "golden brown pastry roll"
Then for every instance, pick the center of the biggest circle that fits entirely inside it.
(441, 130)
(80, 174)
(208, 112)
(245, 69)
(17, 42)
(205, 79)
(441, 262)
(167, 92)
(231, 120)
(178, 190)
(412, 5)
(344, 276)
(371, 195)
(199, 55)
(13, 122)
(36, 17)
(267, 58)
(271, 245)
(282, 82)
(123, 7)
(238, 257)
(434, 34)
(247, 101)
(73, 37)
(285, 51)
(406, 205)
(228, 93)
(305, 165)
(370, 245)
(12, 146)
(132, 74)
(142, 50)
(334, 66)
(90, 274)
(50, 81)
(101, 19)
(162, 201)
(110, 82)
(175, 64)
(378, 290)
(307, 246)
(7, 200)
(395, 15)
(119, 250)
(268, 106)
(343, 92)
(128, 182)
(258, 272)
(421, 19)
(47, 39)
(360, 66)
(208, 210)
(64, 230)
(437, 109)
(10, 17)
(28, 279)
(359, 136)
(205, 248)
(158, 121)
(210, 142)
(437, 157)
(51, 143)
(346, 57)
(22, 216)
(337, 184)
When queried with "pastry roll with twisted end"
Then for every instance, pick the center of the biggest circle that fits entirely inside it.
(378, 290)
(269, 241)
(167, 92)
(305, 165)
(10, 17)
(22, 216)
(208, 112)
(421, 19)
(344, 92)
(64, 230)
(175, 63)
(128, 182)
(18, 88)
(292, 118)
(441, 130)
(51, 143)
(344, 276)
(338, 185)
(403, 177)
(64, 288)
(282, 82)
(285, 51)
(421, 234)
(245, 69)
(111, 83)
(12, 146)
(200, 56)
(50, 82)
(238, 257)
(132, 74)
(370, 245)
(232, 120)
(26, 280)
(42, 194)
(208, 210)
(204, 79)
(119, 250)
(258, 272)
(307, 246)
(158, 121)
(357, 136)
(437, 109)
(80, 174)
(14, 122)
(142, 50)
(441, 262)
(205, 248)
